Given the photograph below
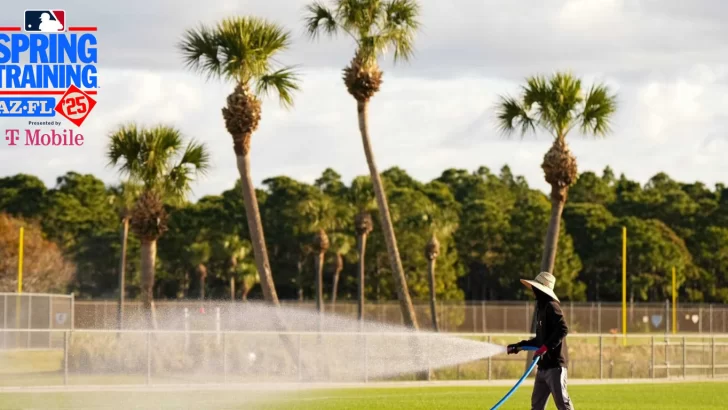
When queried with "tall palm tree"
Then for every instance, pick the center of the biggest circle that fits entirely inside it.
(557, 104)
(123, 198)
(432, 250)
(242, 50)
(164, 166)
(375, 26)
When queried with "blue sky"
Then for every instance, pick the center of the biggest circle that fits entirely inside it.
(667, 59)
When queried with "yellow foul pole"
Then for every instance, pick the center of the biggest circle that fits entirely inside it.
(624, 285)
(674, 302)
(20, 262)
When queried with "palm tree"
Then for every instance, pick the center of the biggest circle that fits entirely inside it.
(320, 246)
(375, 26)
(340, 244)
(243, 50)
(157, 159)
(235, 250)
(123, 198)
(432, 250)
(557, 104)
(200, 253)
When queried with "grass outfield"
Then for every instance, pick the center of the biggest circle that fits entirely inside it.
(704, 396)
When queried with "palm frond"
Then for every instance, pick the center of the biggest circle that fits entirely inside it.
(284, 81)
(599, 106)
(125, 145)
(399, 26)
(237, 48)
(357, 16)
(319, 19)
(147, 156)
(200, 51)
(567, 97)
(513, 115)
(195, 160)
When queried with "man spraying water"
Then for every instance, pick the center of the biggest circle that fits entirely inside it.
(550, 340)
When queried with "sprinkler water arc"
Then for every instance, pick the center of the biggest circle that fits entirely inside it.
(518, 383)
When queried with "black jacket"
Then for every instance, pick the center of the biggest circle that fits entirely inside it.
(551, 331)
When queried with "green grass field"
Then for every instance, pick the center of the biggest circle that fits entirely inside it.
(704, 396)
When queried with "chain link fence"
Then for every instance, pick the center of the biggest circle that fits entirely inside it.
(469, 317)
(36, 311)
(103, 357)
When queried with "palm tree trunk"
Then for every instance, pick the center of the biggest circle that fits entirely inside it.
(260, 251)
(255, 226)
(299, 279)
(400, 282)
(202, 273)
(232, 287)
(122, 272)
(548, 259)
(362, 245)
(337, 272)
(149, 255)
(433, 308)
(319, 262)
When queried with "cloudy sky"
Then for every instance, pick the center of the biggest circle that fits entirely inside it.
(666, 59)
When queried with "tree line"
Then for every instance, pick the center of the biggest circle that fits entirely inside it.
(489, 228)
(484, 230)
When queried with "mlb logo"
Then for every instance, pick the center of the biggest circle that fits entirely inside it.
(45, 21)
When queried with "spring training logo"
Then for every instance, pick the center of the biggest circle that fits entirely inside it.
(44, 59)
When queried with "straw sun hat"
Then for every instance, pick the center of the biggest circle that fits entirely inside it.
(544, 282)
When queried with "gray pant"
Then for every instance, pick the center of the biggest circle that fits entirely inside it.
(551, 382)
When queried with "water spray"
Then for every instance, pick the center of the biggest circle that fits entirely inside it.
(518, 383)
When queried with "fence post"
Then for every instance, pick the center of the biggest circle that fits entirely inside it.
(66, 340)
(300, 361)
(217, 324)
(5, 321)
(601, 356)
(224, 358)
(187, 328)
(50, 322)
(667, 317)
(700, 319)
(366, 358)
(149, 357)
(599, 318)
(652, 360)
(490, 363)
(684, 349)
(73, 311)
(710, 320)
(712, 356)
(484, 314)
(667, 352)
(30, 310)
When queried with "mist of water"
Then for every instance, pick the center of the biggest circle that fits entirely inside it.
(256, 342)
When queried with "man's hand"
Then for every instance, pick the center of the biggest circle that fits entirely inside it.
(541, 350)
(512, 349)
